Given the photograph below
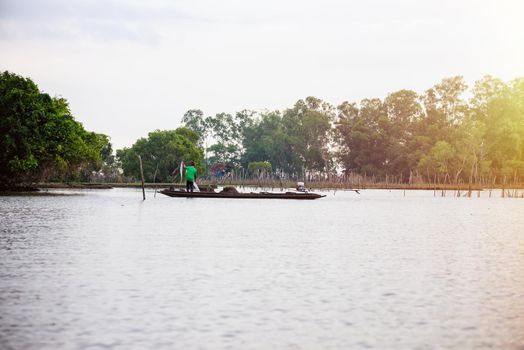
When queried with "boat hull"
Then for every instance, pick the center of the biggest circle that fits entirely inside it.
(252, 195)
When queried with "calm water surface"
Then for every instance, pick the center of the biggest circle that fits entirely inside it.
(102, 269)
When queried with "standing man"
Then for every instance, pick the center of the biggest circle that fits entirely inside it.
(190, 176)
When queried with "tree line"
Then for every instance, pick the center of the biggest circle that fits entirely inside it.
(42, 142)
(39, 138)
(449, 133)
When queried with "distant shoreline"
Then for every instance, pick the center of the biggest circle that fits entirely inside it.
(314, 185)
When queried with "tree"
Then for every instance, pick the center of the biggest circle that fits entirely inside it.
(260, 169)
(161, 152)
(346, 121)
(224, 129)
(194, 120)
(227, 131)
(438, 161)
(308, 126)
(268, 140)
(500, 107)
(404, 111)
(39, 137)
(438, 133)
(444, 100)
(363, 133)
(225, 153)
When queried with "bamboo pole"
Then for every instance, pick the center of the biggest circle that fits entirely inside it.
(154, 179)
(142, 176)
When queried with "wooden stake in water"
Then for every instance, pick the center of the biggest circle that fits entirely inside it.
(142, 175)
(154, 179)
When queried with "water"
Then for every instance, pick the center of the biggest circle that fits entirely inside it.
(101, 269)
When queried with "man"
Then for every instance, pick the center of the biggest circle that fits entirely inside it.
(190, 176)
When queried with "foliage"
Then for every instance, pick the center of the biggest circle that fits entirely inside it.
(308, 124)
(259, 168)
(224, 129)
(161, 152)
(438, 134)
(295, 141)
(194, 120)
(39, 138)
(224, 153)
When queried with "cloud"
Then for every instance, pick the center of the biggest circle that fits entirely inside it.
(96, 20)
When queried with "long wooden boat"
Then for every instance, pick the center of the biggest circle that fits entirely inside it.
(238, 195)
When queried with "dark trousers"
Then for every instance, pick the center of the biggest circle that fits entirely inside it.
(189, 186)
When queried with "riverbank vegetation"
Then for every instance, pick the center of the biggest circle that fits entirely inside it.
(40, 139)
(161, 153)
(449, 135)
(42, 142)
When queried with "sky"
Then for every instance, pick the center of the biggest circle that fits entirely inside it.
(130, 67)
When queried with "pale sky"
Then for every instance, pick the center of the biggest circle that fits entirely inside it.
(130, 67)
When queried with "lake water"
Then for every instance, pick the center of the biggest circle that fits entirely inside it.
(102, 269)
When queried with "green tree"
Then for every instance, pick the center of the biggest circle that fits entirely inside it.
(308, 127)
(223, 130)
(161, 153)
(362, 135)
(194, 120)
(444, 102)
(266, 140)
(227, 131)
(438, 161)
(500, 107)
(438, 133)
(260, 169)
(404, 111)
(225, 153)
(39, 137)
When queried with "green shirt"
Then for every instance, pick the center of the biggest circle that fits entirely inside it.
(190, 173)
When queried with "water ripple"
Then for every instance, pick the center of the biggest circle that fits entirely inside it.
(105, 270)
